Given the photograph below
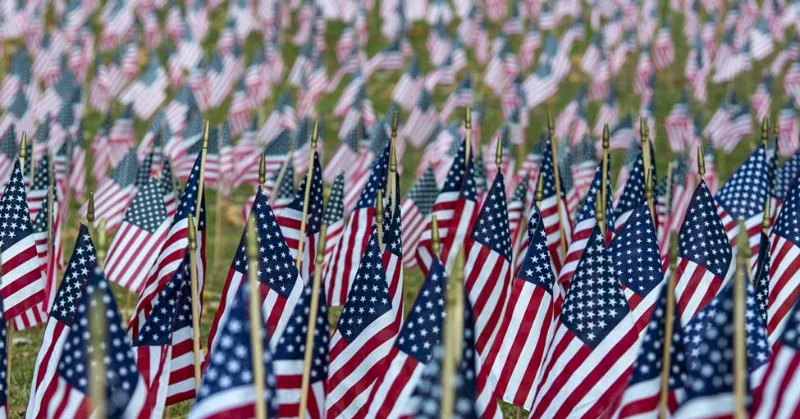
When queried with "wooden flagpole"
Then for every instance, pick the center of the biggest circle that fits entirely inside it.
(195, 302)
(644, 134)
(201, 181)
(739, 333)
(101, 243)
(256, 323)
(392, 181)
(468, 136)
(669, 315)
(23, 154)
(551, 130)
(311, 327)
(600, 213)
(606, 145)
(307, 196)
(649, 194)
(97, 379)
(701, 163)
(765, 133)
(454, 327)
(379, 217)
(219, 210)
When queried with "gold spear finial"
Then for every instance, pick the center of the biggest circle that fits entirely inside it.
(23, 150)
(90, 209)
(379, 216)
(599, 212)
(701, 161)
(101, 242)
(498, 153)
(551, 129)
(468, 118)
(192, 234)
(395, 121)
(765, 131)
(392, 159)
(606, 137)
(766, 222)
(648, 185)
(539, 189)
(206, 134)
(262, 170)
(642, 128)
(435, 244)
(315, 135)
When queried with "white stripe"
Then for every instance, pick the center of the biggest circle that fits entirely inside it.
(640, 391)
(37, 394)
(220, 402)
(704, 407)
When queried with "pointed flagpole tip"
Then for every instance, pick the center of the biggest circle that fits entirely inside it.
(642, 125)
(606, 138)
(701, 162)
(539, 190)
(764, 131)
(379, 207)
(252, 245)
(468, 118)
(90, 209)
(23, 146)
(395, 121)
(392, 159)
(766, 222)
(498, 153)
(315, 135)
(435, 244)
(206, 134)
(551, 128)
(262, 170)
(192, 233)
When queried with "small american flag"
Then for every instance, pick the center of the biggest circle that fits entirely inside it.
(281, 283)
(228, 388)
(290, 356)
(788, 130)
(8, 153)
(420, 335)
(518, 352)
(61, 320)
(422, 121)
(115, 193)
(761, 100)
(141, 236)
(166, 332)
(125, 390)
(334, 218)
(701, 270)
(638, 263)
(707, 339)
(170, 188)
(76, 181)
(37, 194)
(48, 257)
(473, 397)
(784, 280)
(23, 287)
(587, 333)
(678, 125)
(663, 48)
(643, 393)
(633, 192)
(415, 208)
(456, 209)
(363, 336)
(344, 262)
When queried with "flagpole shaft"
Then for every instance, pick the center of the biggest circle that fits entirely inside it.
(306, 197)
(256, 322)
(195, 302)
(312, 321)
(453, 339)
(278, 180)
(218, 229)
(557, 175)
(739, 333)
(669, 314)
(97, 381)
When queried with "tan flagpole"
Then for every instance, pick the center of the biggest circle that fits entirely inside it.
(551, 130)
(97, 379)
(468, 136)
(600, 213)
(311, 327)
(195, 303)
(307, 196)
(606, 145)
(256, 322)
(379, 217)
(649, 195)
(669, 315)
(392, 181)
(739, 333)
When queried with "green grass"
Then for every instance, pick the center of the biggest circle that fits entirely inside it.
(221, 247)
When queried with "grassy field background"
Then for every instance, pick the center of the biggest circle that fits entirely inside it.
(669, 86)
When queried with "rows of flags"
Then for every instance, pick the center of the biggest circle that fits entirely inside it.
(567, 294)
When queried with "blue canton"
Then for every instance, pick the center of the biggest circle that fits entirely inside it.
(423, 329)
(292, 344)
(491, 228)
(537, 267)
(702, 238)
(637, 261)
(743, 195)
(172, 310)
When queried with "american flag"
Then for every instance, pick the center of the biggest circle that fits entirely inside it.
(62, 316)
(102, 150)
(141, 236)
(115, 193)
(37, 194)
(8, 153)
(788, 130)
(290, 355)
(633, 192)
(170, 188)
(643, 393)
(473, 397)
(774, 398)
(281, 283)
(228, 387)
(578, 380)
(761, 280)
(585, 223)
(707, 342)
(678, 125)
(350, 156)
(663, 48)
(121, 136)
(166, 332)
(344, 262)
(456, 209)
(461, 97)
(415, 208)
(608, 113)
(24, 286)
(784, 280)
(761, 42)
(275, 154)
(363, 336)
(743, 196)
(704, 255)
(177, 110)
(421, 122)
(518, 352)
(488, 264)
(291, 218)
(761, 100)
(125, 389)
(334, 218)
(166, 265)
(77, 173)
(49, 257)
(638, 263)
(421, 333)
(147, 94)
